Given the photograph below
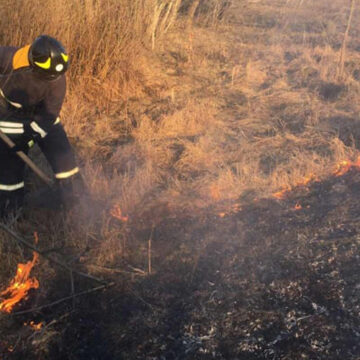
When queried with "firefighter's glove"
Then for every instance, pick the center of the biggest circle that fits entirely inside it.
(26, 141)
(23, 145)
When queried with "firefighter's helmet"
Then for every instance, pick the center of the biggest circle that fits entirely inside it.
(48, 57)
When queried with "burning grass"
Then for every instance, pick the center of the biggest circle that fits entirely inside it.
(19, 286)
(176, 125)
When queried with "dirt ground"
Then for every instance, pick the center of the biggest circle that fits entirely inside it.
(235, 272)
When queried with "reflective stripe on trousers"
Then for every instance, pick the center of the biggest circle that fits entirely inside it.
(11, 187)
(67, 174)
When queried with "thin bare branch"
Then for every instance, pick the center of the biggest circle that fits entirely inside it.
(345, 40)
(71, 297)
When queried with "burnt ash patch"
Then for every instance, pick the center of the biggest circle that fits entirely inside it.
(267, 282)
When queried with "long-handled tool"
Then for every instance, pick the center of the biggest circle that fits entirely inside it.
(26, 160)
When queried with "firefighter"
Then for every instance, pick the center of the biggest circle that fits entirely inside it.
(32, 91)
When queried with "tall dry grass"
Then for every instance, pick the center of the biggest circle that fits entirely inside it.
(115, 76)
(169, 113)
(127, 154)
(104, 38)
(108, 42)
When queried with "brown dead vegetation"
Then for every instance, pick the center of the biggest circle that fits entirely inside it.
(180, 110)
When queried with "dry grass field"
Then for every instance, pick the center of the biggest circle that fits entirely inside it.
(198, 127)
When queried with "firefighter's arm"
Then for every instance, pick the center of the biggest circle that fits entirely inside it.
(55, 145)
(47, 112)
(60, 155)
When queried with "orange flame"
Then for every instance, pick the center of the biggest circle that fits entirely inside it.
(306, 180)
(20, 285)
(235, 208)
(34, 326)
(345, 166)
(340, 169)
(298, 207)
(117, 213)
(281, 194)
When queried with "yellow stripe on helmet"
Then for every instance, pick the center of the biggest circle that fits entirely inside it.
(65, 57)
(45, 65)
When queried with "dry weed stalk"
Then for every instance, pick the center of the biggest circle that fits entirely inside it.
(164, 16)
(158, 9)
(341, 64)
(150, 250)
(191, 13)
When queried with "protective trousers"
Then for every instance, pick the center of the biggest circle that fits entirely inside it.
(11, 180)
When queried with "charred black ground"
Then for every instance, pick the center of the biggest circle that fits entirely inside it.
(268, 282)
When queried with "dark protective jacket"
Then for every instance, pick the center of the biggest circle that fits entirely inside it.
(31, 104)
